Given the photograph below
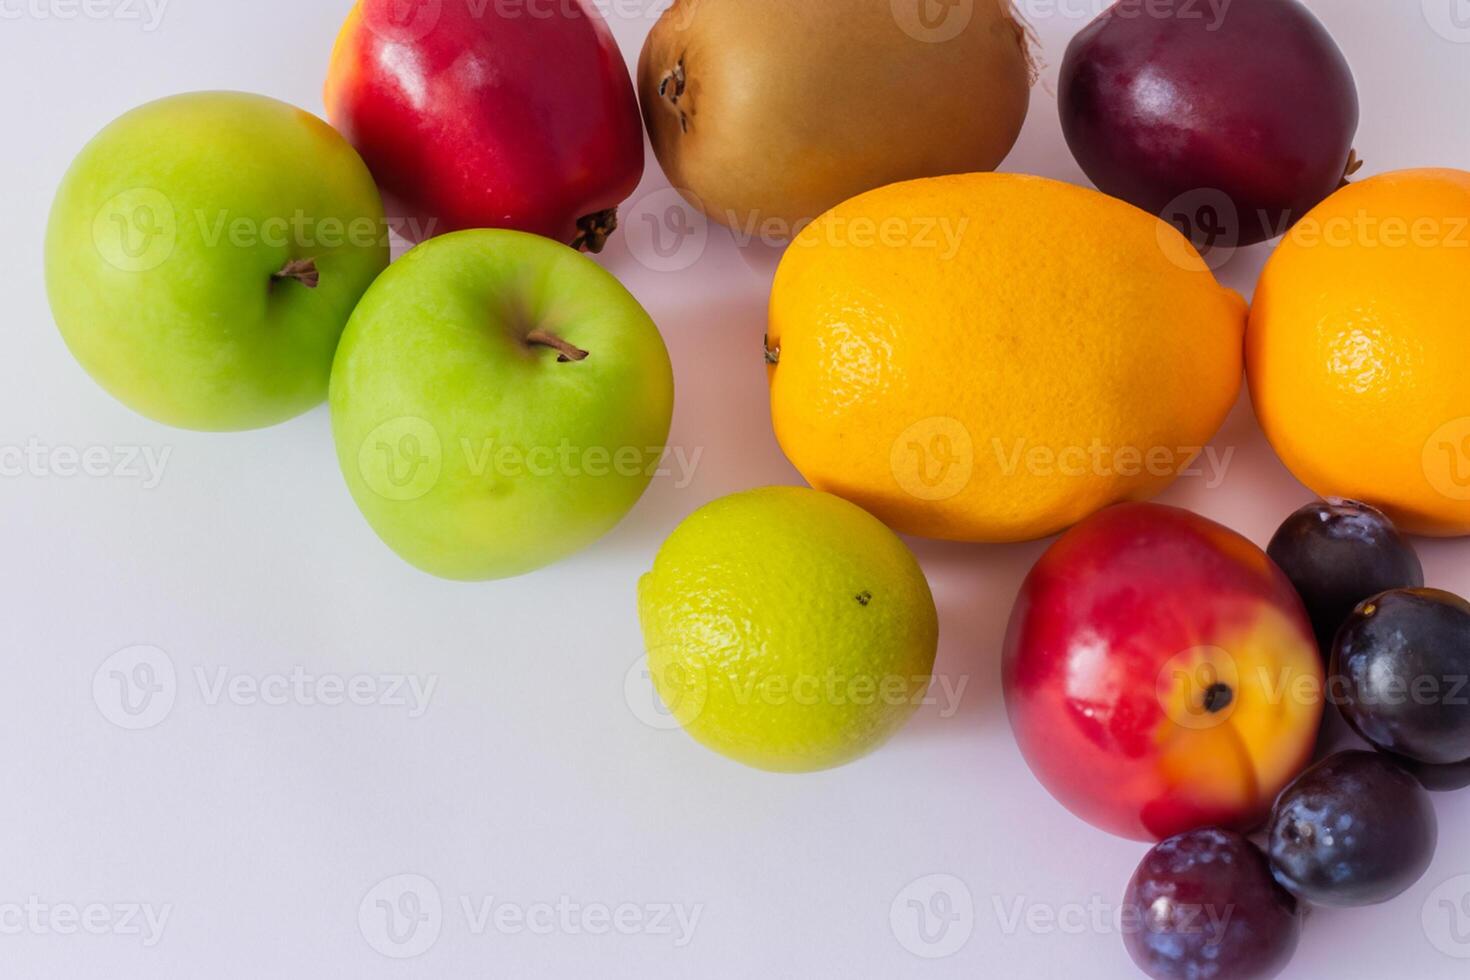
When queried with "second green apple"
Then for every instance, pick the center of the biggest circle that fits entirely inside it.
(499, 402)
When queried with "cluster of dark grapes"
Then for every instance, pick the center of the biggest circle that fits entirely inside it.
(1357, 828)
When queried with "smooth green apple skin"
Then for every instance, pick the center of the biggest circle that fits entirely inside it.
(474, 454)
(164, 241)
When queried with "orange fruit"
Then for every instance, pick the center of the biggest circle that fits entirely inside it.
(993, 357)
(1358, 349)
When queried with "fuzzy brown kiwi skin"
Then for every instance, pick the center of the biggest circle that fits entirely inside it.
(763, 128)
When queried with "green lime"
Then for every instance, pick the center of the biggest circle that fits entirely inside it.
(788, 629)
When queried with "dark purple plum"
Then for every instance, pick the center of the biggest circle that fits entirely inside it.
(1355, 829)
(1230, 121)
(1204, 904)
(1400, 674)
(1338, 553)
(1437, 779)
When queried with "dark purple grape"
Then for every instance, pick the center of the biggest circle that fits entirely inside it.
(1354, 829)
(1230, 123)
(1338, 553)
(1204, 905)
(1401, 674)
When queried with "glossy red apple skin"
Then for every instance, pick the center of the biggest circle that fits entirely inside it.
(1191, 116)
(472, 115)
(1118, 634)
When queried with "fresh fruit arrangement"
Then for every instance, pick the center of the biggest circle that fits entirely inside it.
(1357, 828)
(951, 353)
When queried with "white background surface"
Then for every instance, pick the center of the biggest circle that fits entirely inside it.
(532, 777)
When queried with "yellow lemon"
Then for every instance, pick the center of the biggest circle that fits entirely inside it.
(993, 357)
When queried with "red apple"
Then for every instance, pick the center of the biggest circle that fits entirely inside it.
(489, 115)
(1161, 674)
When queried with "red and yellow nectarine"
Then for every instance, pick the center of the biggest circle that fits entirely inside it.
(1161, 675)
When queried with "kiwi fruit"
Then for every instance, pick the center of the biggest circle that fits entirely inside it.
(767, 113)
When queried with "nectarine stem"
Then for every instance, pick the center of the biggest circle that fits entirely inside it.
(1218, 698)
(303, 271)
(568, 352)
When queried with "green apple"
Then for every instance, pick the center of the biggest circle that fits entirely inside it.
(499, 401)
(204, 253)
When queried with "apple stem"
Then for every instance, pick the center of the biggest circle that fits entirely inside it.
(593, 230)
(568, 352)
(303, 271)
